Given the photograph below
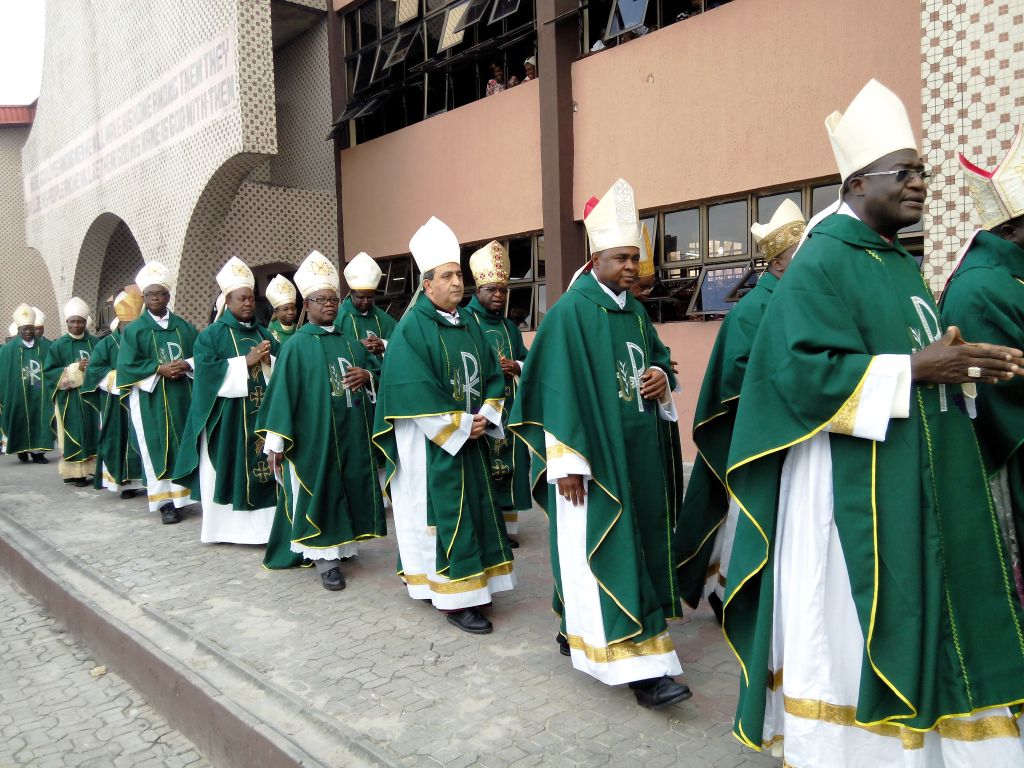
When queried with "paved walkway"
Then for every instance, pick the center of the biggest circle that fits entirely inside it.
(385, 670)
(54, 713)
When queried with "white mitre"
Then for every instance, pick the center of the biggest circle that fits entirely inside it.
(362, 273)
(613, 222)
(76, 308)
(874, 125)
(24, 315)
(998, 194)
(12, 330)
(154, 273)
(40, 316)
(316, 273)
(234, 275)
(785, 229)
(280, 291)
(434, 244)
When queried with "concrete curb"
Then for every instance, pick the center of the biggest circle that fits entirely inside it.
(234, 718)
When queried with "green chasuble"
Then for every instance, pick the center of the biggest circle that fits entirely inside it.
(145, 346)
(330, 493)
(243, 479)
(581, 385)
(117, 453)
(377, 323)
(435, 368)
(279, 332)
(21, 397)
(706, 500)
(985, 300)
(509, 458)
(79, 409)
(943, 630)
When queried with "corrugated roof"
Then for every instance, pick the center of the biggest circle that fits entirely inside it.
(18, 115)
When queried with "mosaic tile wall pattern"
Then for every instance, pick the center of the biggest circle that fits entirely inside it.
(180, 204)
(973, 96)
(23, 275)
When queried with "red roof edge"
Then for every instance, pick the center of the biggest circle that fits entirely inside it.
(23, 114)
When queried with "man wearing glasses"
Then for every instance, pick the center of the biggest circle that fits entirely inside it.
(155, 370)
(221, 458)
(315, 421)
(869, 599)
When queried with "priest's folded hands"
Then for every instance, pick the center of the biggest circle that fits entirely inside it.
(951, 360)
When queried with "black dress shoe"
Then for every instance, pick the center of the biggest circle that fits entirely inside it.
(470, 620)
(23, 457)
(38, 458)
(716, 607)
(563, 644)
(169, 515)
(69, 480)
(659, 693)
(81, 482)
(333, 580)
(512, 543)
(131, 493)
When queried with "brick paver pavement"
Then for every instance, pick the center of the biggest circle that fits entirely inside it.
(54, 713)
(389, 669)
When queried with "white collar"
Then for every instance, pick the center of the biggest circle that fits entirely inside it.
(846, 210)
(28, 344)
(451, 317)
(619, 298)
(328, 328)
(161, 321)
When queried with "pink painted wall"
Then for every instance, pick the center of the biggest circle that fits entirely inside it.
(735, 99)
(691, 345)
(477, 168)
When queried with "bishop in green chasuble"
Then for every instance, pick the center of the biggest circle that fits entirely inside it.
(154, 374)
(441, 391)
(317, 418)
(984, 298)
(870, 600)
(707, 520)
(21, 391)
(282, 295)
(69, 410)
(596, 383)
(510, 458)
(118, 464)
(221, 457)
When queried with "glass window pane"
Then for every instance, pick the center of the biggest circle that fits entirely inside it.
(823, 197)
(502, 9)
(625, 15)
(651, 222)
(402, 45)
(433, 5)
(408, 10)
(520, 258)
(728, 229)
(682, 235)
(541, 271)
(520, 306)
(434, 25)
(399, 276)
(450, 36)
(718, 283)
(368, 24)
(364, 69)
(475, 12)
(769, 204)
(388, 23)
(437, 93)
(379, 70)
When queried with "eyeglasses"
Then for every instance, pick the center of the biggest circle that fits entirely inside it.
(156, 295)
(321, 300)
(903, 175)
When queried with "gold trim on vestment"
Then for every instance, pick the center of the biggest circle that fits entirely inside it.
(774, 680)
(982, 729)
(845, 420)
(456, 586)
(170, 495)
(560, 450)
(627, 649)
(445, 434)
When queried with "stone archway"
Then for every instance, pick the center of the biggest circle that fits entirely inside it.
(108, 260)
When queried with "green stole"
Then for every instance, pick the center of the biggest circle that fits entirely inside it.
(78, 408)
(145, 346)
(279, 332)
(21, 397)
(326, 430)
(117, 453)
(509, 458)
(985, 299)
(928, 573)
(243, 479)
(706, 501)
(434, 368)
(581, 385)
(379, 322)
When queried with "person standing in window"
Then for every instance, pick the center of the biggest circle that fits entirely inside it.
(498, 83)
(530, 69)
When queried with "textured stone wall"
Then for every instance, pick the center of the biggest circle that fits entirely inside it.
(973, 97)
